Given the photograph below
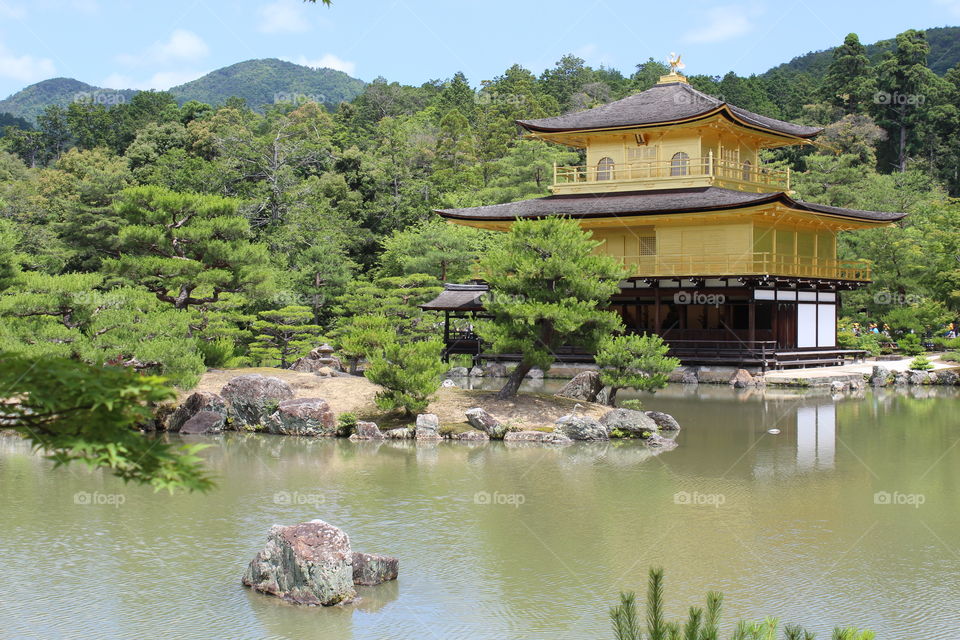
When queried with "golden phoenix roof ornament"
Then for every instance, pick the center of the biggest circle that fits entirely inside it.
(675, 64)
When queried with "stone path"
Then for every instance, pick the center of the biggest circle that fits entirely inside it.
(826, 375)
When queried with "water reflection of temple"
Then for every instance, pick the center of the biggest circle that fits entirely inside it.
(816, 436)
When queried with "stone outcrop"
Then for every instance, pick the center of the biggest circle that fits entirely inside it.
(635, 424)
(309, 563)
(495, 370)
(536, 374)
(657, 441)
(742, 379)
(545, 437)
(584, 387)
(583, 428)
(664, 421)
(476, 372)
(428, 427)
(366, 431)
(196, 403)
(457, 372)
(880, 376)
(480, 419)
(320, 361)
(371, 569)
(471, 436)
(948, 377)
(401, 433)
(303, 417)
(253, 398)
(203, 423)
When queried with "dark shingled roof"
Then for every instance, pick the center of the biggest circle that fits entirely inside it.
(661, 104)
(458, 297)
(599, 205)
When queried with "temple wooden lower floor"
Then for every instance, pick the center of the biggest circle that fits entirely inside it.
(764, 323)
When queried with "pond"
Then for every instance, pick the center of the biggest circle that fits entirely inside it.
(847, 516)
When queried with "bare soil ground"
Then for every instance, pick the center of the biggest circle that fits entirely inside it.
(355, 394)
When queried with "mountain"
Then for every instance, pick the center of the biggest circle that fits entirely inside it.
(263, 82)
(30, 102)
(259, 82)
(944, 54)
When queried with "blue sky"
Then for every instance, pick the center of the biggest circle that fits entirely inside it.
(161, 43)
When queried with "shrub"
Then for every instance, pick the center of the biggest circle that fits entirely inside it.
(409, 372)
(632, 403)
(951, 356)
(634, 362)
(921, 363)
(346, 424)
(910, 345)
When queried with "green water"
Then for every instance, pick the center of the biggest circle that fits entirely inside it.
(524, 543)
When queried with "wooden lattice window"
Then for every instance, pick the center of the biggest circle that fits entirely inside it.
(605, 169)
(747, 171)
(680, 164)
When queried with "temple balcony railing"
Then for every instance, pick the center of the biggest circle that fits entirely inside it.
(669, 174)
(746, 264)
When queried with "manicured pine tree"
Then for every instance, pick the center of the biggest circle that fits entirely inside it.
(284, 334)
(547, 290)
(634, 362)
(409, 372)
(363, 336)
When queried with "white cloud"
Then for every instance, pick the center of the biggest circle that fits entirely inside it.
(181, 45)
(25, 68)
(723, 23)
(327, 60)
(283, 16)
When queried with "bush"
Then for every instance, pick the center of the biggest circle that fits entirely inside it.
(410, 373)
(910, 344)
(632, 403)
(634, 362)
(921, 363)
(346, 424)
(951, 356)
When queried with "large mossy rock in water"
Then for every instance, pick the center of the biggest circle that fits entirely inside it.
(309, 563)
(253, 398)
(633, 424)
(479, 419)
(582, 428)
(584, 386)
(664, 421)
(303, 417)
(198, 402)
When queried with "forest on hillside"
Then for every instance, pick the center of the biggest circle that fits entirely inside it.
(177, 237)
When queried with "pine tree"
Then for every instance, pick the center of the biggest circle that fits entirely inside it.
(850, 82)
(363, 336)
(547, 290)
(284, 334)
(409, 372)
(634, 362)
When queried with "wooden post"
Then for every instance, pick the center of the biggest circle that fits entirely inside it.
(656, 307)
(752, 322)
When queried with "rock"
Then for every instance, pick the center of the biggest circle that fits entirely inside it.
(480, 419)
(303, 417)
(495, 370)
(901, 378)
(918, 377)
(197, 402)
(689, 376)
(948, 377)
(880, 376)
(449, 384)
(634, 423)
(472, 436)
(253, 397)
(202, 423)
(837, 387)
(664, 421)
(308, 563)
(476, 372)
(308, 364)
(546, 437)
(371, 569)
(536, 374)
(742, 379)
(367, 431)
(428, 427)
(585, 428)
(584, 387)
(402, 433)
(457, 372)
(659, 442)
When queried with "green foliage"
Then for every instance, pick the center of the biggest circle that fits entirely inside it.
(951, 356)
(437, 248)
(634, 362)
(346, 424)
(409, 372)
(547, 289)
(396, 297)
(283, 335)
(921, 363)
(77, 412)
(362, 336)
(632, 403)
(910, 344)
(700, 625)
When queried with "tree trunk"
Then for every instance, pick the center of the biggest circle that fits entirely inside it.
(509, 390)
(612, 398)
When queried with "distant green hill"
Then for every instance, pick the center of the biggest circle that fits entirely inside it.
(259, 82)
(263, 82)
(30, 102)
(944, 54)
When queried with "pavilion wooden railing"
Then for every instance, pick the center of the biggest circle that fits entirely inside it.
(739, 173)
(747, 264)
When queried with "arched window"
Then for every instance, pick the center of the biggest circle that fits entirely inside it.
(747, 171)
(680, 164)
(605, 169)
